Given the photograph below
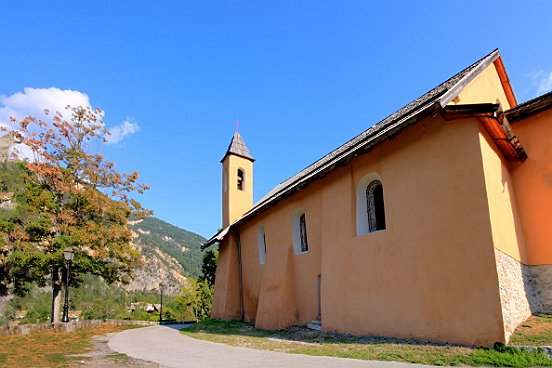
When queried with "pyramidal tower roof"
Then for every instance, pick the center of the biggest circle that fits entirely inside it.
(237, 147)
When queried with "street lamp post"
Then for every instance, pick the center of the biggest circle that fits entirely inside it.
(161, 305)
(68, 255)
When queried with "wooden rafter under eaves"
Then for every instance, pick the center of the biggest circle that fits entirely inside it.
(493, 120)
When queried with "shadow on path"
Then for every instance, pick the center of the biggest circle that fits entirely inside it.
(177, 326)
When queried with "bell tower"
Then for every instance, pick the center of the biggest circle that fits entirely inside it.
(237, 180)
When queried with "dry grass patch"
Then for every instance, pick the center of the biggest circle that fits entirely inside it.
(536, 331)
(48, 348)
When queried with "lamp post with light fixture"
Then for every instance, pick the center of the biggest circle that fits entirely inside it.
(161, 305)
(68, 255)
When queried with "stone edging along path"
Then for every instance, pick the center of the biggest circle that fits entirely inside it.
(69, 326)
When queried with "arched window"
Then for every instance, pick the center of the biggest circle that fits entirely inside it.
(241, 179)
(303, 233)
(262, 245)
(370, 208)
(375, 206)
(300, 241)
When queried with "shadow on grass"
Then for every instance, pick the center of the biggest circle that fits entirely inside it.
(300, 334)
(177, 326)
(304, 341)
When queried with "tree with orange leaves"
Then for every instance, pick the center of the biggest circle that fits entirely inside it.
(72, 197)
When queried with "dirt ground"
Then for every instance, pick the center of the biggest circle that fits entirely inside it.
(103, 357)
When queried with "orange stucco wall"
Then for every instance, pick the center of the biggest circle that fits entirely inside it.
(533, 184)
(280, 274)
(430, 275)
(226, 300)
(506, 226)
(450, 200)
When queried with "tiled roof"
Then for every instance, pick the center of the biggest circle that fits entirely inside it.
(428, 104)
(237, 147)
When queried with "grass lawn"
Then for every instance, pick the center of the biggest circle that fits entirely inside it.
(48, 348)
(536, 331)
(299, 340)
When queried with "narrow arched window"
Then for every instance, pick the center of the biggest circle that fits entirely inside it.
(241, 179)
(303, 233)
(299, 226)
(375, 206)
(262, 245)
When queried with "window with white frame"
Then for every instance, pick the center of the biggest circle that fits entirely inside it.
(300, 238)
(303, 233)
(262, 245)
(370, 207)
(374, 203)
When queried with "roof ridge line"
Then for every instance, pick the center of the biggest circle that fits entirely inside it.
(392, 124)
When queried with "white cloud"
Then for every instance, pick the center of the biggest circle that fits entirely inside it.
(33, 101)
(119, 132)
(544, 83)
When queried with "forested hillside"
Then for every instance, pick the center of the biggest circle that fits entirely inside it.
(181, 244)
(169, 254)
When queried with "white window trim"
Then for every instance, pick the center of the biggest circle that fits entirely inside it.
(261, 236)
(296, 228)
(362, 227)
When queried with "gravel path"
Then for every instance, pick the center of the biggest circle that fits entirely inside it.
(167, 347)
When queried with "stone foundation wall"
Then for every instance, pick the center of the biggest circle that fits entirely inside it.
(517, 293)
(68, 327)
(542, 282)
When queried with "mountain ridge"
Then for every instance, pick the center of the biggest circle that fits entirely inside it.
(170, 255)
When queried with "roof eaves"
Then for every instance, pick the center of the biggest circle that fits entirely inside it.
(470, 76)
(505, 81)
(452, 112)
(236, 154)
(215, 238)
(528, 108)
(493, 120)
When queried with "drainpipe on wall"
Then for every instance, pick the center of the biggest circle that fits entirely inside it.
(240, 274)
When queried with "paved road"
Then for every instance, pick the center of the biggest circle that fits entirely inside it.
(166, 346)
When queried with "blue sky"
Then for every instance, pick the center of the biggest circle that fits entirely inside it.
(302, 77)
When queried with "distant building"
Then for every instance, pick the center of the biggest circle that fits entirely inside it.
(148, 307)
(6, 200)
(434, 224)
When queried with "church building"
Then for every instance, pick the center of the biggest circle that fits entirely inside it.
(434, 224)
